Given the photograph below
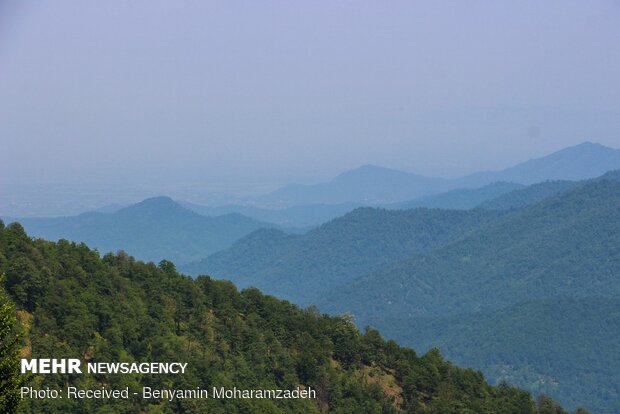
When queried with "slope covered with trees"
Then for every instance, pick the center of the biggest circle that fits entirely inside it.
(10, 379)
(561, 347)
(557, 255)
(337, 252)
(74, 303)
(564, 246)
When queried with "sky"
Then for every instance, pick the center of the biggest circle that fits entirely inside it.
(249, 95)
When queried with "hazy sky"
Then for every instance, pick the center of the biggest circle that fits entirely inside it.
(281, 91)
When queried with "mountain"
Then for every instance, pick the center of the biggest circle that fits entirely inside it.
(373, 185)
(561, 347)
(368, 184)
(297, 217)
(72, 302)
(535, 193)
(154, 229)
(611, 175)
(461, 199)
(564, 247)
(337, 252)
(305, 216)
(462, 280)
(586, 160)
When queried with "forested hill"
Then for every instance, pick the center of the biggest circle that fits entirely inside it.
(154, 229)
(563, 347)
(73, 303)
(542, 271)
(565, 246)
(337, 252)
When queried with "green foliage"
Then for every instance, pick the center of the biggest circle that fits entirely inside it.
(561, 347)
(10, 379)
(115, 308)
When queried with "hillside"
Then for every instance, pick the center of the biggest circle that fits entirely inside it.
(562, 347)
(154, 229)
(565, 247)
(337, 252)
(368, 184)
(73, 302)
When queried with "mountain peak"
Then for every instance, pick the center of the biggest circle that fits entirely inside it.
(587, 147)
(156, 205)
(158, 201)
(579, 162)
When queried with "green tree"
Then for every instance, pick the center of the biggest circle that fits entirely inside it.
(10, 380)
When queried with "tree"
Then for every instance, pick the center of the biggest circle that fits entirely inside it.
(547, 406)
(10, 380)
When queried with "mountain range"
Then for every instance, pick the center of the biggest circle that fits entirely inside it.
(373, 185)
(73, 302)
(477, 265)
(296, 218)
(451, 277)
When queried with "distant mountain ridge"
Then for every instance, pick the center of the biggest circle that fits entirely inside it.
(368, 184)
(296, 217)
(301, 207)
(374, 185)
(460, 199)
(529, 195)
(154, 229)
(586, 160)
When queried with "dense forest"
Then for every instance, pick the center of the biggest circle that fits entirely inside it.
(71, 302)
(561, 347)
